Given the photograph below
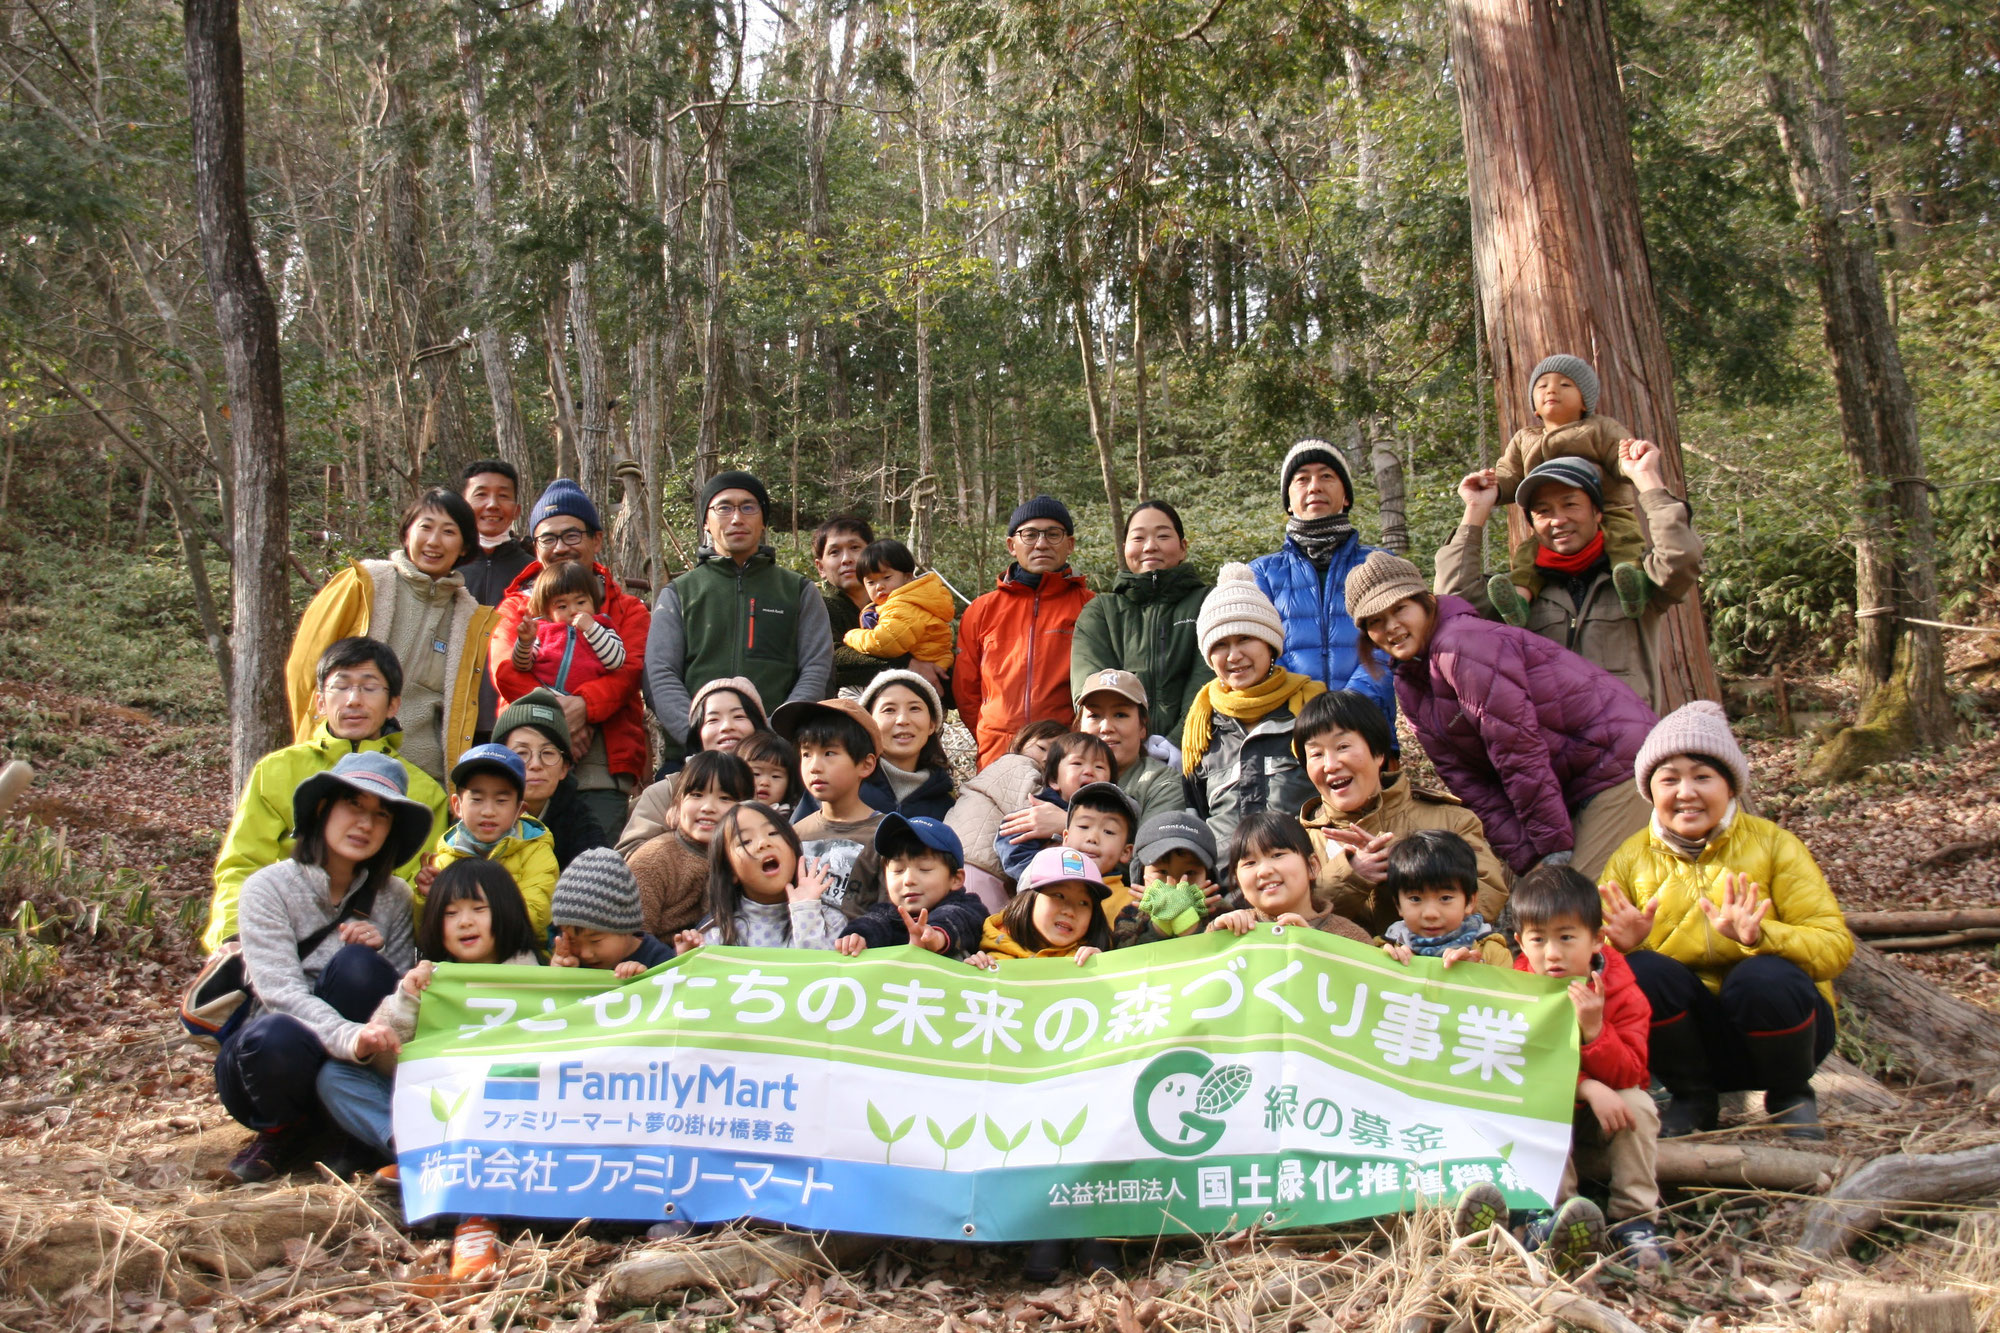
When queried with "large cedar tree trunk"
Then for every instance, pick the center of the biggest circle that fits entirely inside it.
(510, 434)
(247, 322)
(1556, 239)
(1895, 549)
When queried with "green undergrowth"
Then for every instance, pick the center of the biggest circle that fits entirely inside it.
(50, 900)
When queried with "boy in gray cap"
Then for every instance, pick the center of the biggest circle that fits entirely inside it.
(597, 919)
(1563, 392)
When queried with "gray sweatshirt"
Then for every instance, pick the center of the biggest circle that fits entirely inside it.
(284, 903)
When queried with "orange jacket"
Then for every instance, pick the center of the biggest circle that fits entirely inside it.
(1013, 657)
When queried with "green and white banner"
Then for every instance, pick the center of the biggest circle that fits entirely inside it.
(1285, 1078)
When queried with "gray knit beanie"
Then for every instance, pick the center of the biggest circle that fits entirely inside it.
(1698, 728)
(1576, 368)
(597, 892)
(1238, 606)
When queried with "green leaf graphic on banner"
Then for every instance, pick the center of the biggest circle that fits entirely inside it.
(1003, 1142)
(1222, 1089)
(443, 1110)
(1507, 1151)
(1062, 1139)
(878, 1125)
(958, 1138)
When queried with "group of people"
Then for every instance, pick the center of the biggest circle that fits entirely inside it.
(473, 780)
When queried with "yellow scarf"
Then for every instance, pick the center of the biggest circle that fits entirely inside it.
(1281, 689)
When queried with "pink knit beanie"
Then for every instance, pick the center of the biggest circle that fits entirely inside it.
(1699, 728)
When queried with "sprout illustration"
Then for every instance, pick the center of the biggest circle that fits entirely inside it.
(1003, 1142)
(1222, 1089)
(1065, 1136)
(956, 1138)
(878, 1125)
(443, 1110)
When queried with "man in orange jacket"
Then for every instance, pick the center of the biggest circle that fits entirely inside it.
(1013, 643)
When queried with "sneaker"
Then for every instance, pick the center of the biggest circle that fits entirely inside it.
(1480, 1208)
(271, 1153)
(391, 1174)
(1634, 589)
(1639, 1244)
(1096, 1256)
(1507, 602)
(475, 1247)
(1568, 1237)
(1043, 1264)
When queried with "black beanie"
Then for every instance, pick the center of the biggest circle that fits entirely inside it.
(735, 481)
(1042, 506)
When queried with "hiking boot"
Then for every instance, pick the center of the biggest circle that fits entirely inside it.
(475, 1247)
(1785, 1063)
(1043, 1263)
(1096, 1256)
(1634, 589)
(1639, 1244)
(1680, 1060)
(1567, 1239)
(271, 1153)
(1507, 601)
(1480, 1208)
(1798, 1110)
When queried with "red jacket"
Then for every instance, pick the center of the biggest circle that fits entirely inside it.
(1617, 1059)
(611, 701)
(1013, 657)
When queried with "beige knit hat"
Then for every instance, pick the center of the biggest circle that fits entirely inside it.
(1699, 728)
(1238, 606)
(1379, 582)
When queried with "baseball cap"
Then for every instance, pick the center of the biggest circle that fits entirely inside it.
(1580, 473)
(490, 758)
(1107, 791)
(1064, 865)
(1171, 831)
(1124, 684)
(787, 719)
(932, 833)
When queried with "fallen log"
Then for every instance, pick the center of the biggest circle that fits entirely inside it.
(1899, 1182)
(1570, 1308)
(1879, 1307)
(1918, 943)
(1745, 1166)
(1841, 1084)
(1922, 922)
(731, 1263)
(1954, 852)
(1929, 1034)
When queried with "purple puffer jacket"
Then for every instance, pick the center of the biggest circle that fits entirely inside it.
(1521, 729)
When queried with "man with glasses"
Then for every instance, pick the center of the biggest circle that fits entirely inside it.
(607, 726)
(738, 612)
(1014, 642)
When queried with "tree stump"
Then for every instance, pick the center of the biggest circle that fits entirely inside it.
(1877, 1307)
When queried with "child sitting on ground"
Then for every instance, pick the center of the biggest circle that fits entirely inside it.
(1560, 923)
(489, 790)
(1073, 761)
(672, 869)
(474, 915)
(1176, 855)
(1563, 390)
(923, 879)
(571, 642)
(774, 770)
(596, 911)
(1432, 881)
(763, 893)
(912, 616)
(1059, 913)
(1275, 866)
(839, 746)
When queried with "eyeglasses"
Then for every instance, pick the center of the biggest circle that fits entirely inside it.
(725, 512)
(567, 539)
(365, 689)
(1040, 536)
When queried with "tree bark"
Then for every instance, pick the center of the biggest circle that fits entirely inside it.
(1557, 244)
(1895, 547)
(1888, 1184)
(247, 324)
(1929, 1034)
(440, 426)
(717, 224)
(510, 434)
(1100, 429)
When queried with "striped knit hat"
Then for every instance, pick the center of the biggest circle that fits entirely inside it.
(597, 892)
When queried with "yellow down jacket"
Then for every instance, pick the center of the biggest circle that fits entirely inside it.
(529, 853)
(1805, 924)
(915, 619)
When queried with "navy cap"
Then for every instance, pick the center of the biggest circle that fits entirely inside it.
(491, 758)
(1580, 473)
(932, 833)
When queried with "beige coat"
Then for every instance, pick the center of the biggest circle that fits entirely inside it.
(1001, 788)
(1400, 809)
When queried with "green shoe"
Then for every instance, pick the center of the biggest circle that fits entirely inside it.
(1506, 601)
(1634, 589)
(1566, 1241)
(1480, 1207)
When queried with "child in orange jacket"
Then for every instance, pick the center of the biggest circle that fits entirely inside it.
(911, 615)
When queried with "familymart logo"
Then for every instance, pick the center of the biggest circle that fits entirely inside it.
(514, 1083)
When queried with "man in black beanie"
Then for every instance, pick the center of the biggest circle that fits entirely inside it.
(738, 612)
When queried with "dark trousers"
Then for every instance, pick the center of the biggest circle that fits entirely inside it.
(265, 1072)
(1761, 997)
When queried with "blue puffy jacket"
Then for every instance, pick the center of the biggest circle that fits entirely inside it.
(1320, 640)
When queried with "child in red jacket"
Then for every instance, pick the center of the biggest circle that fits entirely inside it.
(1559, 921)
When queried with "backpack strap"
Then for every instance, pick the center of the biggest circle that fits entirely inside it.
(357, 905)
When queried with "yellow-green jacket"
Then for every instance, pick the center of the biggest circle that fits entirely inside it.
(260, 832)
(529, 853)
(1805, 924)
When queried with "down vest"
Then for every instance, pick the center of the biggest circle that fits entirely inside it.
(1522, 730)
(1320, 639)
(1001, 788)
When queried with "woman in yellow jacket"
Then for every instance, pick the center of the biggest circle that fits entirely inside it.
(1731, 930)
(416, 602)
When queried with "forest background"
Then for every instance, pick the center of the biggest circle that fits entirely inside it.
(922, 261)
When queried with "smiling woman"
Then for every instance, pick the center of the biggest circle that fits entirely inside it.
(416, 602)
